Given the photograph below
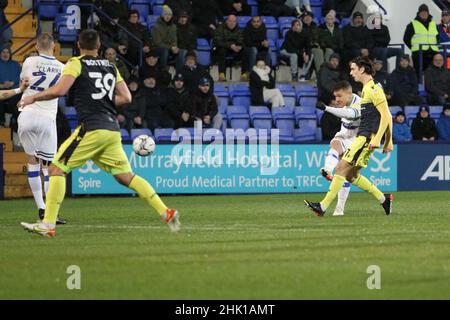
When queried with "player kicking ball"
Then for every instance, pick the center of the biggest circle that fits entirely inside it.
(37, 122)
(97, 88)
(349, 111)
(376, 123)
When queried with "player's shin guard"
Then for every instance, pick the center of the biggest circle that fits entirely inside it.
(54, 198)
(46, 179)
(335, 186)
(342, 196)
(331, 160)
(34, 179)
(146, 192)
(364, 184)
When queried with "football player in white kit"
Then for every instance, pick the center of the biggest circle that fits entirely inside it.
(349, 110)
(37, 122)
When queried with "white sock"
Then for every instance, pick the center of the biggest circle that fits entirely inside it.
(331, 160)
(46, 181)
(342, 197)
(34, 179)
(382, 199)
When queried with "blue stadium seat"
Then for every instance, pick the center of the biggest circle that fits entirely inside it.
(344, 22)
(284, 118)
(394, 110)
(151, 21)
(319, 114)
(48, 10)
(317, 11)
(260, 117)
(157, 9)
(73, 124)
(125, 136)
(254, 7)
(274, 53)
(238, 117)
(62, 102)
(307, 101)
(142, 8)
(211, 135)
(435, 111)
(204, 52)
(220, 89)
(411, 112)
(254, 135)
(138, 132)
(243, 20)
(422, 91)
(241, 101)
(271, 26)
(239, 90)
(306, 133)
(301, 112)
(223, 101)
(71, 113)
(64, 34)
(286, 135)
(288, 93)
(164, 134)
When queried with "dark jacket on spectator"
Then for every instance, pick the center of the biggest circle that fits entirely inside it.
(330, 125)
(193, 75)
(227, 7)
(178, 6)
(155, 103)
(116, 9)
(443, 127)
(404, 81)
(314, 33)
(135, 109)
(423, 127)
(178, 101)
(163, 77)
(357, 38)
(225, 37)
(385, 80)
(187, 36)
(326, 80)
(253, 37)
(330, 40)
(381, 37)
(256, 86)
(164, 34)
(111, 36)
(437, 80)
(204, 104)
(401, 132)
(206, 13)
(297, 42)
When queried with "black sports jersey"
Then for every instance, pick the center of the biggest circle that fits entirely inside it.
(93, 91)
(372, 96)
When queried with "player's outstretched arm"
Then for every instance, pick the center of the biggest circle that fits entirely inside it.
(58, 90)
(123, 95)
(6, 94)
(350, 113)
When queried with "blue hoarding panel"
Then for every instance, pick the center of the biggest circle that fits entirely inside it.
(231, 168)
(424, 167)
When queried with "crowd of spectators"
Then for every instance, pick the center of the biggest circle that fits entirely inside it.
(308, 47)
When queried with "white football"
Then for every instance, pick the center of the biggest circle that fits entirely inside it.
(143, 145)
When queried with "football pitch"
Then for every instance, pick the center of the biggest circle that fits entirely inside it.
(231, 247)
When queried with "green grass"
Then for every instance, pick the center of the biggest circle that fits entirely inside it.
(231, 247)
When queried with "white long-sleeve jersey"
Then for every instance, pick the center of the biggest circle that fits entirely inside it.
(43, 72)
(350, 117)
